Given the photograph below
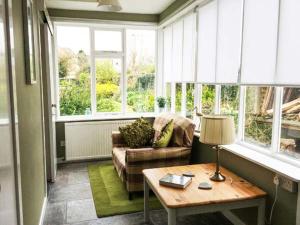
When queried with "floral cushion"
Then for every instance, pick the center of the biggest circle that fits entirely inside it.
(138, 134)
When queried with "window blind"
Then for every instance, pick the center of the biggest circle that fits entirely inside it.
(177, 51)
(229, 37)
(167, 58)
(189, 48)
(288, 65)
(207, 34)
(259, 41)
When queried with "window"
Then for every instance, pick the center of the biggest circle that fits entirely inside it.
(93, 77)
(190, 98)
(230, 98)
(241, 85)
(290, 122)
(74, 70)
(208, 99)
(168, 96)
(140, 70)
(108, 93)
(108, 41)
(259, 115)
(178, 98)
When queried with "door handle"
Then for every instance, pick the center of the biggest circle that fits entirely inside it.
(53, 105)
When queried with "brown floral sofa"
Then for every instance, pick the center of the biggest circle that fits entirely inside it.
(129, 163)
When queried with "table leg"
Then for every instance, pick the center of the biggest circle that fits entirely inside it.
(261, 212)
(171, 216)
(146, 201)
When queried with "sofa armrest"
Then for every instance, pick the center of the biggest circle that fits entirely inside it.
(117, 139)
(151, 154)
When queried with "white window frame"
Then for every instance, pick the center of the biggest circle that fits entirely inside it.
(96, 54)
(274, 150)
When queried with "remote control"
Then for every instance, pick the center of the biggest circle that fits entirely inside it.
(188, 174)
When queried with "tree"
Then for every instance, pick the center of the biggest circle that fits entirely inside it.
(75, 97)
(106, 73)
(83, 62)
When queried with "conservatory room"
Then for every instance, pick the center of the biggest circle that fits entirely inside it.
(138, 112)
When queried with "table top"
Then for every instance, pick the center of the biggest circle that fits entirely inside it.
(231, 190)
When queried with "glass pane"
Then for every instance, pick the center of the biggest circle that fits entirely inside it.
(230, 102)
(108, 40)
(168, 96)
(8, 208)
(259, 115)
(74, 70)
(178, 97)
(290, 122)
(190, 92)
(208, 99)
(140, 70)
(108, 91)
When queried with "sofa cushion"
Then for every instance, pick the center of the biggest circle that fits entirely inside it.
(183, 132)
(138, 134)
(145, 155)
(165, 136)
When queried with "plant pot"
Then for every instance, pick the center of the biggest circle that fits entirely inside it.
(161, 109)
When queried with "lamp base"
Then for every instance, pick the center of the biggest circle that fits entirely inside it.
(218, 177)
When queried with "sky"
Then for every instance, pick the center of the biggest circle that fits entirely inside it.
(77, 38)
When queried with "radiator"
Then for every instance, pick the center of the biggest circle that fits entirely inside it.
(89, 140)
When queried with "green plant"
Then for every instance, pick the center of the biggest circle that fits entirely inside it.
(161, 101)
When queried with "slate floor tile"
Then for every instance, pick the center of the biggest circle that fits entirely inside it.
(70, 202)
(55, 214)
(70, 192)
(78, 177)
(81, 210)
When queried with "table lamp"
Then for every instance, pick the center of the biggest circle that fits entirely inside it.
(217, 130)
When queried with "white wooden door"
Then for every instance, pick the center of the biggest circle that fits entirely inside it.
(51, 89)
(49, 100)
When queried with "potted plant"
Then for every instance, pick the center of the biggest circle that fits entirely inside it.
(161, 101)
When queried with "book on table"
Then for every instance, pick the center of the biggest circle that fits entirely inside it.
(176, 181)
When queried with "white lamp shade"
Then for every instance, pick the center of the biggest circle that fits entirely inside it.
(110, 5)
(217, 130)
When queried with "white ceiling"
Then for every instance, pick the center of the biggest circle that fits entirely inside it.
(129, 6)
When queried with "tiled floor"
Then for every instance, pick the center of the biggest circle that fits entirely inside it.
(70, 202)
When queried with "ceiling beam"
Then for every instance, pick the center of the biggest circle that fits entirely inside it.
(97, 15)
(173, 8)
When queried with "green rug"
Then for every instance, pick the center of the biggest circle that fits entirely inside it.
(110, 195)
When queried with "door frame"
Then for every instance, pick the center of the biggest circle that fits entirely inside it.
(49, 129)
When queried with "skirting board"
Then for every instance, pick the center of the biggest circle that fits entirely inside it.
(41, 222)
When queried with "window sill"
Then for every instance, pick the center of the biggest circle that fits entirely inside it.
(103, 117)
(267, 161)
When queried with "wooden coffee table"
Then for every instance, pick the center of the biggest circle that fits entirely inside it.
(234, 193)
